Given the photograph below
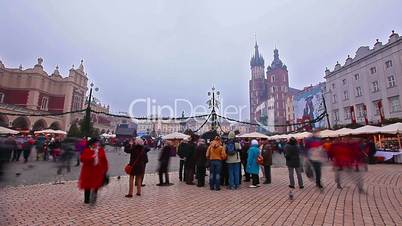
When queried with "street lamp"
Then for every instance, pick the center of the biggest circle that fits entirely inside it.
(212, 104)
(87, 119)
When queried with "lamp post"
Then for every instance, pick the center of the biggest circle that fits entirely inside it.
(87, 119)
(212, 104)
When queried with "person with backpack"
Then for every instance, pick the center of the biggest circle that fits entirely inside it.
(233, 162)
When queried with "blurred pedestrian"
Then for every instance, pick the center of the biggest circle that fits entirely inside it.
(201, 162)
(233, 161)
(164, 159)
(245, 145)
(371, 151)
(292, 156)
(266, 153)
(316, 155)
(79, 148)
(252, 166)
(27, 147)
(215, 154)
(93, 170)
(189, 167)
(137, 162)
(18, 150)
(181, 149)
(11, 145)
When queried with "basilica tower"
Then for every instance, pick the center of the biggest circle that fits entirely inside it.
(257, 84)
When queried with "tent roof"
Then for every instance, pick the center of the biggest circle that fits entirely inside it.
(254, 135)
(366, 130)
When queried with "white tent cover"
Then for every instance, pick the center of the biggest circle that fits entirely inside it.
(4, 130)
(254, 135)
(366, 130)
(175, 136)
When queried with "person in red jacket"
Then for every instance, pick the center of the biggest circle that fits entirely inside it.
(93, 171)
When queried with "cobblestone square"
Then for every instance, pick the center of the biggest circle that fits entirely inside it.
(181, 204)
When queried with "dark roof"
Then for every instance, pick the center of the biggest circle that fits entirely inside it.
(121, 131)
(293, 91)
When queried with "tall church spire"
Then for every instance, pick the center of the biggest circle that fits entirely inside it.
(256, 59)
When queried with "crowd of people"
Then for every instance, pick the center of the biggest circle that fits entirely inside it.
(228, 159)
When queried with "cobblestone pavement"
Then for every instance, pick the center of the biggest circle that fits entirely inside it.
(36, 172)
(181, 204)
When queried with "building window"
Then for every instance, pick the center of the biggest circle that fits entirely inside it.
(284, 78)
(375, 87)
(2, 97)
(333, 85)
(273, 89)
(394, 104)
(336, 115)
(359, 91)
(345, 95)
(44, 103)
(344, 81)
(360, 111)
(376, 108)
(357, 76)
(388, 63)
(273, 78)
(373, 70)
(334, 98)
(391, 81)
(346, 113)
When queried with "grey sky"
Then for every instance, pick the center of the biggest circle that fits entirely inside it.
(178, 49)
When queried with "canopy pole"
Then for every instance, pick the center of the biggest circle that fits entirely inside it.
(399, 140)
(379, 140)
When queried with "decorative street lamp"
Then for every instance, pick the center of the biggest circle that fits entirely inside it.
(212, 104)
(87, 118)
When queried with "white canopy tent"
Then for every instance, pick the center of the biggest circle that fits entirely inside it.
(301, 135)
(50, 131)
(366, 130)
(107, 135)
(327, 133)
(175, 136)
(343, 132)
(392, 129)
(4, 130)
(254, 135)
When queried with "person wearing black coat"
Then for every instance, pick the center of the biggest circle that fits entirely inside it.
(181, 153)
(201, 162)
(243, 157)
(190, 163)
(164, 159)
(292, 156)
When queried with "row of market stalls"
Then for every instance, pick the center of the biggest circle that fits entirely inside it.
(387, 138)
(7, 131)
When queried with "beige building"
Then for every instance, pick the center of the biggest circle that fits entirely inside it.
(367, 86)
(34, 91)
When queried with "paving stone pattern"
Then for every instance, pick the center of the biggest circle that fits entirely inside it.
(181, 204)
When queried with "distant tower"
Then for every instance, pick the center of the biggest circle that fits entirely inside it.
(257, 84)
(278, 88)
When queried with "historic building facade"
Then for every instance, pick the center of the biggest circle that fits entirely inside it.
(34, 91)
(367, 88)
(269, 93)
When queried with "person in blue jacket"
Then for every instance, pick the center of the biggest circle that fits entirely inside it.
(252, 165)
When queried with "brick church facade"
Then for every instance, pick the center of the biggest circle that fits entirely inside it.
(268, 93)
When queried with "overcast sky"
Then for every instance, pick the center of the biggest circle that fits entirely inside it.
(178, 49)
